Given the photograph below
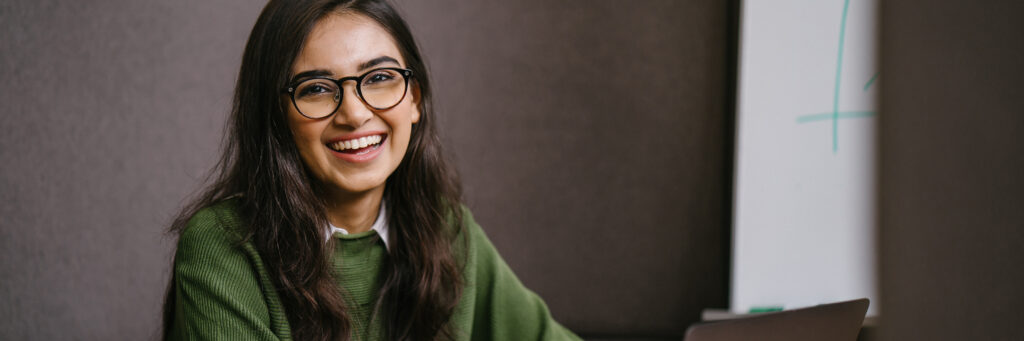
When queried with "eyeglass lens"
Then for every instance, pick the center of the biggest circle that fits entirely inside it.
(380, 89)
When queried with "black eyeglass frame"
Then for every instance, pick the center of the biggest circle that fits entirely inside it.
(290, 89)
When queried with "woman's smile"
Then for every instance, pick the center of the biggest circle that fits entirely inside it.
(357, 148)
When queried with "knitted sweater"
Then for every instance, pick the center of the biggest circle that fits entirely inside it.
(222, 290)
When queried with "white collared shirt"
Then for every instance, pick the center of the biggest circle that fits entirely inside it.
(380, 225)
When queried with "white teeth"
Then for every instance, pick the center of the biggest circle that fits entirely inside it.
(359, 143)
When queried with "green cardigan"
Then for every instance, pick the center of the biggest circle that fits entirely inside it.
(222, 290)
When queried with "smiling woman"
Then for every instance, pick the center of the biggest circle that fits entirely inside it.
(333, 215)
(333, 131)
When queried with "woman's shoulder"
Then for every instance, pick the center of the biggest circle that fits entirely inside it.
(211, 242)
(472, 237)
(216, 226)
(220, 286)
(468, 227)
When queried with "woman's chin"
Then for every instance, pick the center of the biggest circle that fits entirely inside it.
(356, 187)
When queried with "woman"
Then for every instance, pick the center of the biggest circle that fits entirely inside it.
(334, 215)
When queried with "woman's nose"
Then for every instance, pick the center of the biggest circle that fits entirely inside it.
(351, 111)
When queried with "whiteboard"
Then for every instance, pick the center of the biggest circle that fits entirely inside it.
(804, 200)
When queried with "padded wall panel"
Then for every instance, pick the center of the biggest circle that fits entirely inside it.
(589, 133)
(952, 154)
(590, 136)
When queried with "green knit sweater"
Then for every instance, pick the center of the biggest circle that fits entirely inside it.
(222, 290)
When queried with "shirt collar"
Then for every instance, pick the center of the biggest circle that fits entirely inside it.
(380, 225)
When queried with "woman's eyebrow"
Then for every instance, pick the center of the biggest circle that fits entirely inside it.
(309, 74)
(325, 73)
(377, 61)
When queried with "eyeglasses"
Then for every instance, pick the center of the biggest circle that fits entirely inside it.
(320, 97)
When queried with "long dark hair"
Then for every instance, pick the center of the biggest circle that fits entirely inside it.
(281, 204)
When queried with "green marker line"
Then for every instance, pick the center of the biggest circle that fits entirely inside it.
(760, 310)
(830, 116)
(872, 81)
(839, 73)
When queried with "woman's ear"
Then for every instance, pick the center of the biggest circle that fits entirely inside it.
(416, 97)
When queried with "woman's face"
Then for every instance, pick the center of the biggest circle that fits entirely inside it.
(349, 45)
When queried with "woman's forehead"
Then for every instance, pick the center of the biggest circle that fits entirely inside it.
(342, 42)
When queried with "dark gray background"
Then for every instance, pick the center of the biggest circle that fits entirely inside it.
(112, 112)
(951, 137)
(594, 138)
(589, 138)
(589, 135)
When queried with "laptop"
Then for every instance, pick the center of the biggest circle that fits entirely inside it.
(835, 321)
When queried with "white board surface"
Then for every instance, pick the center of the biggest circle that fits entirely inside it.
(804, 219)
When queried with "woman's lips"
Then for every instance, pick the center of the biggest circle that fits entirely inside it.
(354, 144)
(358, 149)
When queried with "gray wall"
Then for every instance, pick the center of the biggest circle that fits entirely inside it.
(111, 112)
(951, 235)
(592, 137)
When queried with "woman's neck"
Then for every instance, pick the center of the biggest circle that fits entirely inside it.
(355, 212)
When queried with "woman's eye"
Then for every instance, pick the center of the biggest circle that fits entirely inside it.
(314, 90)
(378, 77)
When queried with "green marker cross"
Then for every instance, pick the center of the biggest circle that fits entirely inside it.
(835, 114)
